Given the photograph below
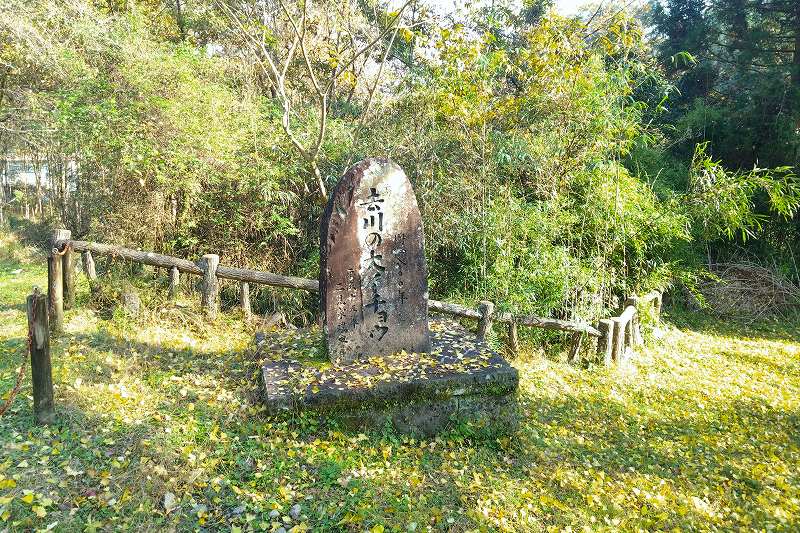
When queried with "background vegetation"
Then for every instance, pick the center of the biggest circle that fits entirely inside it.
(560, 163)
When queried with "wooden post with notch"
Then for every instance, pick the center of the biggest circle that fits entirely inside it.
(485, 323)
(209, 300)
(174, 283)
(244, 300)
(55, 282)
(635, 326)
(41, 366)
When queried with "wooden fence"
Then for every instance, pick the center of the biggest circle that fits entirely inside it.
(613, 334)
(624, 331)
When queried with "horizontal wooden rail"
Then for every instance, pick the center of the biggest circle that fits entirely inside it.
(267, 278)
(245, 275)
(627, 314)
(548, 323)
(453, 309)
(649, 297)
(508, 318)
(184, 265)
(148, 258)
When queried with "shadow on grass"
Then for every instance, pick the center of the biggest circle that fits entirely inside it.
(21, 308)
(101, 471)
(248, 432)
(32, 233)
(228, 368)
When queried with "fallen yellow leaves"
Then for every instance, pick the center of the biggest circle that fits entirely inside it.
(701, 437)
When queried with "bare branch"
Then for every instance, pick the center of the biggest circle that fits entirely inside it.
(303, 48)
(371, 91)
(372, 43)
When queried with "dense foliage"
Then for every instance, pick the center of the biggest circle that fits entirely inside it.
(735, 65)
(559, 162)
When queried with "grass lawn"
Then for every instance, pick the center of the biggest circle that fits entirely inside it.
(158, 430)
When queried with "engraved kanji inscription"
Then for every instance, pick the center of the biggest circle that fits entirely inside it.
(373, 276)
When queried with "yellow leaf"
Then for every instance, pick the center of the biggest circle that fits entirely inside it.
(28, 498)
(39, 510)
(377, 529)
(6, 515)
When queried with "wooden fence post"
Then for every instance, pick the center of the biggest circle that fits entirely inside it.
(605, 344)
(174, 283)
(618, 343)
(485, 323)
(41, 369)
(210, 298)
(635, 322)
(68, 270)
(575, 349)
(244, 300)
(88, 266)
(513, 337)
(55, 282)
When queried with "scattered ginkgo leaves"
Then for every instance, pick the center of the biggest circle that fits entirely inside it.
(701, 434)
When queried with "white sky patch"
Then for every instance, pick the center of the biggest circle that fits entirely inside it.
(569, 7)
(563, 7)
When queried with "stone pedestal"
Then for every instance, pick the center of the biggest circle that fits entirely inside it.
(459, 381)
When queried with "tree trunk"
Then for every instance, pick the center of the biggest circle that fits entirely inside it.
(180, 20)
(796, 57)
(37, 172)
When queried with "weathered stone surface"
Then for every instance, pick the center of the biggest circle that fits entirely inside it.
(460, 380)
(373, 276)
(129, 301)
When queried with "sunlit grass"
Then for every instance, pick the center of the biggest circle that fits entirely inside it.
(160, 427)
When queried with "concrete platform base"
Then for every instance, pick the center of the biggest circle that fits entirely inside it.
(460, 381)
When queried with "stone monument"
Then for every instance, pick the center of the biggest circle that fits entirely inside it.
(373, 278)
(385, 363)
